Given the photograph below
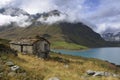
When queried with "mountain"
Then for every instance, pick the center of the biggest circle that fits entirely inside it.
(18, 16)
(13, 11)
(50, 17)
(113, 37)
(77, 33)
(52, 24)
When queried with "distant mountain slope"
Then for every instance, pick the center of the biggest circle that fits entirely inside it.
(77, 33)
(81, 34)
(52, 24)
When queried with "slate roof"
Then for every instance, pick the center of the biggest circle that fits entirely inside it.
(28, 41)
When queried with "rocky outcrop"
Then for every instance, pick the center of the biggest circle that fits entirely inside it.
(10, 69)
(15, 68)
(101, 73)
(9, 63)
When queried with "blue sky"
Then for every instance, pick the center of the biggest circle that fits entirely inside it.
(92, 5)
(101, 15)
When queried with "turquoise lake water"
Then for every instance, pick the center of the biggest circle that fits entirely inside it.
(109, 54)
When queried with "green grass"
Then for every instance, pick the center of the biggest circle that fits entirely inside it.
(4, 41)
(66, 45)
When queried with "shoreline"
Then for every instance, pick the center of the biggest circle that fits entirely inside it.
(115, 64)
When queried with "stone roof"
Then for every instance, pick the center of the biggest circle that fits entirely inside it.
(28, 41)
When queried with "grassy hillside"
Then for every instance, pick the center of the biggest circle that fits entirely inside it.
(66, 45)
(76, 33)
(62, 66)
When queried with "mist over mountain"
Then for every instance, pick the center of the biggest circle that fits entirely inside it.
(16, 23)
(23, 19)
(103, 16)
(54, 23)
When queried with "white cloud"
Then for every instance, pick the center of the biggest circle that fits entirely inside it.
(52, 19)
(20, 20)
(72, 8)
(37, 6)
(5, 3)
(104, 16)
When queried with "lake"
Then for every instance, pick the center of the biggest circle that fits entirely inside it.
(109, 54)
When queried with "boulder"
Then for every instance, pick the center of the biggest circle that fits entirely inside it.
(9, 63)
(116, 75)
(1, 68)
(15, 68)
(1, 74)
(107, 74)
(99, 74)
(66, 65)
(90, 72)
(54, 78)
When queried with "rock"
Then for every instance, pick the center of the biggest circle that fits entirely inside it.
(66, 65)
(116, 75)
(4, 57)
(1, 74)
(1, 68)
(107, 74)
(15, 68)
(90, 72)
(9, 63)
(99, 74)
(54, 78)
(12, 74)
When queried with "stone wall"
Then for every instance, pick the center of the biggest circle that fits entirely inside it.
(16, 47)
(28, 49)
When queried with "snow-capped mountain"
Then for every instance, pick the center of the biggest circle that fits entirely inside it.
(13, 11)
(47, 14)
(111, 36)
(20, 17)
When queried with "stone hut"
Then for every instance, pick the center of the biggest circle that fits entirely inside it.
(39, 47)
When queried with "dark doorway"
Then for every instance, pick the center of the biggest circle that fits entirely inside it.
(46, 47)
(21, 48)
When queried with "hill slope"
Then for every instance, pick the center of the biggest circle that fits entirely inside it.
(77, 33)
(61, 66)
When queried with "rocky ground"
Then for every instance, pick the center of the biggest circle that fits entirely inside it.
(9, 69)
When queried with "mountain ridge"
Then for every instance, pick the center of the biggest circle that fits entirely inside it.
(58, 31)
(77, 33)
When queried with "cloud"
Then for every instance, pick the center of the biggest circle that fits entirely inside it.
(37, 6)
(52, 19)
(4, 3)
(100, 13)
(106, 16)
(70, 7)
(111, 24)
(20, 20)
